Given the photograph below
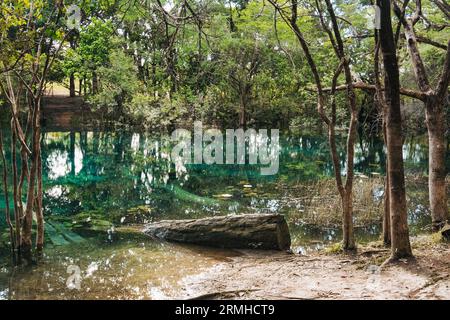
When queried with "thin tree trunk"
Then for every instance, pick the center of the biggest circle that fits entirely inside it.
(94, 83)
(16, 200)
(24, 164)
(349, 239)
(387, 213)
(387, 187)
(72, 44)
(5, 188)
(72, 153)
(39, 204)
(80, 87)
(242, 107)
(347, 200)
(72, 85)
(26, 242)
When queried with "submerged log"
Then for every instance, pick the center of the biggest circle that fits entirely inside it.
(249, 231)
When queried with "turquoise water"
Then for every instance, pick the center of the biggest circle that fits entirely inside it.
(100, 186)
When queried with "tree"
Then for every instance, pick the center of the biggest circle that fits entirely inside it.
(242, 60)
(400, 246)
(118, 84)
(334, 34)
(93, 49)
(32, 38)
(435, 98)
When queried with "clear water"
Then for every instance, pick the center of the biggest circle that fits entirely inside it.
(97, 184)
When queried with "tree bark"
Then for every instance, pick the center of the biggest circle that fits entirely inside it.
(26, 242)
(435, 117)
(382, 109)
(251, 231)
(348, 240)
(400, 245)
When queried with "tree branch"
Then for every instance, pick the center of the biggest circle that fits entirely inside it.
(442, 86)
(372, 88)
(433, 43)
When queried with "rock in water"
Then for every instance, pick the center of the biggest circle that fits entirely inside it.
(249, 231)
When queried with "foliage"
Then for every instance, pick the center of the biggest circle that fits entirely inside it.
(118, 82)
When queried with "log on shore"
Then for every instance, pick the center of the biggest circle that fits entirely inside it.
(249, 231)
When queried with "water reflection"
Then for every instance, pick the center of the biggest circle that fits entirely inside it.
(116, 171)
(125, 270)
(99, 182)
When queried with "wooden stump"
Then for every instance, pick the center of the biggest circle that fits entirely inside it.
(249, 231)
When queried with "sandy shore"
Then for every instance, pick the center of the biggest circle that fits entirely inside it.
(276, 275)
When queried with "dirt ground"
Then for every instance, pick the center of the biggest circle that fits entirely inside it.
(263, 275)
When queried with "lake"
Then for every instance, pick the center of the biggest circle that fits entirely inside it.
(99, 186)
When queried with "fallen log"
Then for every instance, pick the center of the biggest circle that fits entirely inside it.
(249, 231)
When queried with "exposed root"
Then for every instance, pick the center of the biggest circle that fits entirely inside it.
(221, 294)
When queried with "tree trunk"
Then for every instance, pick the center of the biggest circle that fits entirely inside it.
(80, 87)
(26, 242)
(94, 83)
(39, 206)
(348, 242)
(72, 75)
(5, 189)
(242, 107)
(387, 187)
(435, 117)
(72, 153)
(349, 238)
(72, 85)
(251, 231)
(16, 198)
(347, 196)
(400, 244)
